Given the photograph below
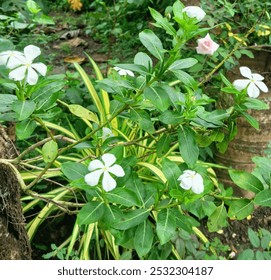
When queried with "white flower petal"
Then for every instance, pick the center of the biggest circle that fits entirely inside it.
(95, 164)
(92, 178)
(32, 76)
(257, 77)
(108, 159)
(241, 84)
(194, 12)
(197, 186)
(116, 170)
(245, 72)
(31, 52)
(262, 86)
(108, 182)
(185, 186)
(253, 91)
(18, 74)
(41, 68)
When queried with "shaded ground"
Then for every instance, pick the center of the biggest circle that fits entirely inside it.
(236, 234)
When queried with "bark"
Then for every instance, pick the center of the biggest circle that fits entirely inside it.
(14, 243)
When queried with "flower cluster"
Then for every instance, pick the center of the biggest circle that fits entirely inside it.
(188, 180)
(22, 65)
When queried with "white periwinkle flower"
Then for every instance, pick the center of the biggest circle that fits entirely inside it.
(253, 83)
(191, 180)
(107, 133)
(11, 59)
(194, 12)
(124, 72)
(28, 69)
(105, 167)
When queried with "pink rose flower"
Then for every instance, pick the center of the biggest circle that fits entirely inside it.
(206, 45)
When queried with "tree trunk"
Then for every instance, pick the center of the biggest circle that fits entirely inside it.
(14, 243)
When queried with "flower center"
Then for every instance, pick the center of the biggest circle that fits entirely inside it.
(105, 168)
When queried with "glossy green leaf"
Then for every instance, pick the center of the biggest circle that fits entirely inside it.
(182, 63)
(188, 146)
(49, 151)
(241, 209)
(246, 180)
(6, 101)
(143, 238)
(185, 78)
(23, 108)
(263, 198)
(247, 254)
(166, 225)
(143, 59)
(46, 96)
(253, 238)
(90, 213)
(74, 170)
(171, 172)
(163, 22)
(123, 196)
(158, 97)
(218, 219)
(163, 145)
(132, 218)
(152, 43)
(25, 129)
(143, 119)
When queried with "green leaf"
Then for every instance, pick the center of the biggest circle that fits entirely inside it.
(163, 22)
(171, 117)
(218, 219)
(188, 146)
(6, 101)
(32, 7)
(246, 181)
(171, 172)
(247, 254)
(152, 43)
(256, 104)
(158, 97)
(143, 120)
(143, 59)
(252, 121)
(182, 64)
(83, 113)
(134, 68)
(49, 151)
(143, 238)
(240, 209)
(123, 196)
(166, 225)
(163, 145)
(23, 108)
(112, 215)
(47, 95)
(74, 170)
(25, 129)
(6, 45)
(43, 19)
(263, 198)
(253, 238)
(185, 78)
(132, 218)
(90, 213)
